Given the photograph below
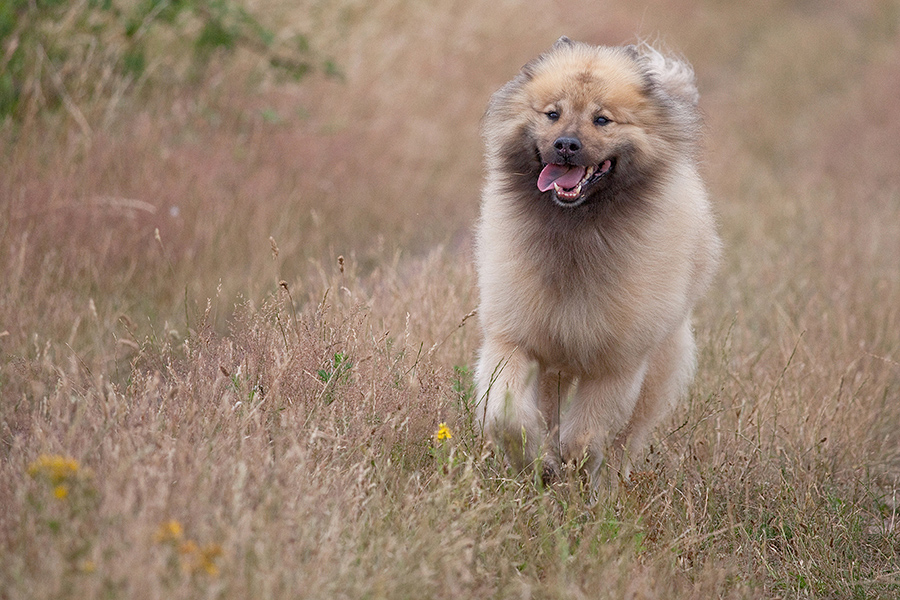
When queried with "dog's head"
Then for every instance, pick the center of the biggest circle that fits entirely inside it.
(581, 123)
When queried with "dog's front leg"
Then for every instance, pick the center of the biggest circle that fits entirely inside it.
(600, 408)
(508, 409)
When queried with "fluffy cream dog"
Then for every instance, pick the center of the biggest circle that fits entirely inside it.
(596, 239)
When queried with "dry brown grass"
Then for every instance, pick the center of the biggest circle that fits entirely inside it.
(292, 426)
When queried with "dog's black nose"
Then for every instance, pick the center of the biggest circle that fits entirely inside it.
(567, 146)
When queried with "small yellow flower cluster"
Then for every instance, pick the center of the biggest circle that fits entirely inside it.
(194, 557)
(59, 471)
(87, 566)
(53, 467)
(168, 532)
(443, 432)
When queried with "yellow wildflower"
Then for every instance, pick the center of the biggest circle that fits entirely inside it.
(189, 547)
(443, 432)
(209, 554)
(195, 558)
(88, 566)
(170, 531)
(54, 467)
(61, 491)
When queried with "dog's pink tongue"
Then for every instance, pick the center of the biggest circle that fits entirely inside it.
(566, 176)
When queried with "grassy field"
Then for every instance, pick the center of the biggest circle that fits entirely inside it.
(235, 313)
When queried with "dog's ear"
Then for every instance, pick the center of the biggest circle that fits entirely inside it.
(562, 42)
(674, 75)
(528, 68)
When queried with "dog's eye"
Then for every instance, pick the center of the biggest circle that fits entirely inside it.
(601, 121)
(553, 115)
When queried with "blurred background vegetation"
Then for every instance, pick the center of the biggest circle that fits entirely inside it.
(58, 53)
(352, 128)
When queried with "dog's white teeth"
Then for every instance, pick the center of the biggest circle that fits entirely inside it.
(567, 194)
(590, 171)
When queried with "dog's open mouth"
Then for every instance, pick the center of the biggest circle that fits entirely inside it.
(569, 182)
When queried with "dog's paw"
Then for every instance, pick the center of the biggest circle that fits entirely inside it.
(550, 471)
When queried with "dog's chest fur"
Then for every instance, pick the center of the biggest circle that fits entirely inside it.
(576, 298)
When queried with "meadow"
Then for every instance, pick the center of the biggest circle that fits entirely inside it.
(237, 329)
